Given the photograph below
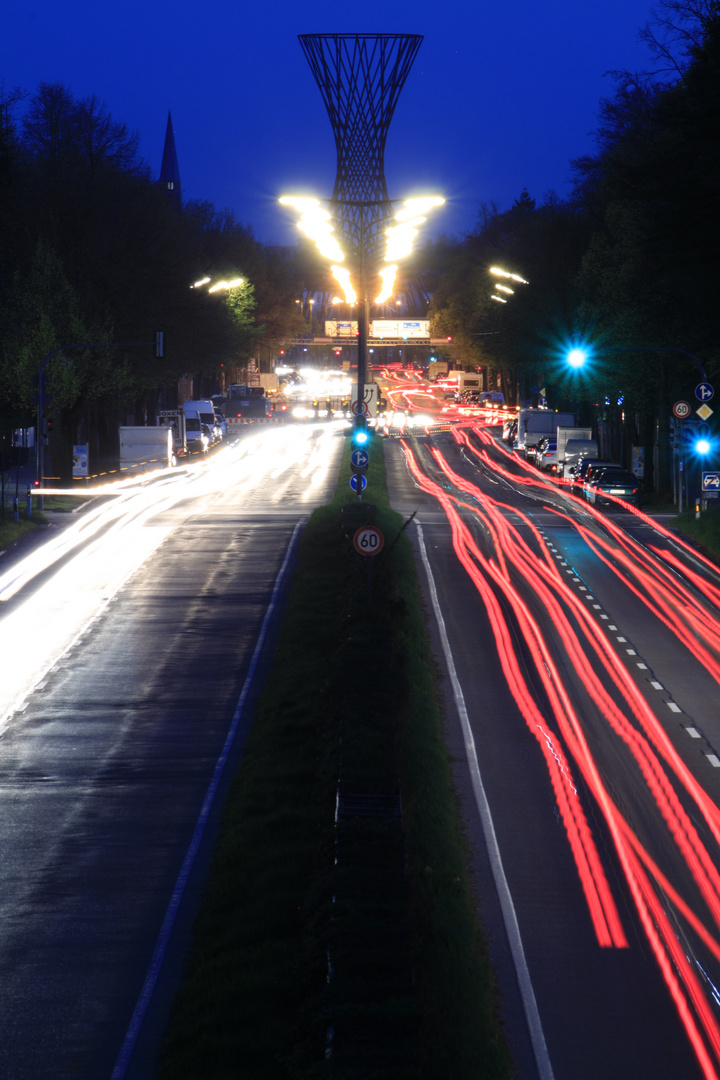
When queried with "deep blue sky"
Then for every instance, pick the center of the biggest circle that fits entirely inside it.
(500, 97)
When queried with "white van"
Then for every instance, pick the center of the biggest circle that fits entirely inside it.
(206, 411)
(198, 441)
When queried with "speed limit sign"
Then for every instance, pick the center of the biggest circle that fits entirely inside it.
(681, 409)
(368, 540)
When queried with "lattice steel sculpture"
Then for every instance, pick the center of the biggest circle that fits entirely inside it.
(360, 77)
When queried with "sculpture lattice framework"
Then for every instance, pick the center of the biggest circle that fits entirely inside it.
(360, 77)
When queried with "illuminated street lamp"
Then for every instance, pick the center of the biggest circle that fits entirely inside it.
(577, 354)
(316, 224)
(219, 286)
(401, 230)
(497, 271)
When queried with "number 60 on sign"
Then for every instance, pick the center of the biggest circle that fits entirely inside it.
(368, 540)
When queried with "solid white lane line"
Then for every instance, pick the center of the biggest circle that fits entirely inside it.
(532, 1015)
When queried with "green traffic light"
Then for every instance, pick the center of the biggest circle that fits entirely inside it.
(576, 358)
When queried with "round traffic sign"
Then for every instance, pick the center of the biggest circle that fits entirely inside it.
(359, 459)
(681, 409)
(354, 481)
(359, 407)
(368, 540)
(704, 391)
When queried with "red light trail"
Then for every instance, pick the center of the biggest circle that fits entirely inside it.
(656, 577)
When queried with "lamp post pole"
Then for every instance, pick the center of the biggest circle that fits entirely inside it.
(363, 312)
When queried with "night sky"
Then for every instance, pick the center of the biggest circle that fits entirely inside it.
(501, 97)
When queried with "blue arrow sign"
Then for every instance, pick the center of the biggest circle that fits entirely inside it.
(354, 481)
(710, 481)
(359, 459)
(704, 391)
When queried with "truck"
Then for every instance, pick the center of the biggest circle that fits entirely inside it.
(437, 367)
(570, 446)
(535, 424)
(576, 450)
(175, 420)
(144, 448)
(267, 379)
(247, 402)
(469, 380)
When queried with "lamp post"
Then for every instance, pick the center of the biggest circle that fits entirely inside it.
(371, 221)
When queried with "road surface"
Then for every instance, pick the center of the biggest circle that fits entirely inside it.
(582, 655)
(129, 642)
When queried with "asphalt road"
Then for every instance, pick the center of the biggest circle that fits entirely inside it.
(125, 657)
(562, 736)
(124, 665)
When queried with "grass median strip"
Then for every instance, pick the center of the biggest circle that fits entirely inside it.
(338, 934)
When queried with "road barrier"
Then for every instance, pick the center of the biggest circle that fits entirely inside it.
(240, 422)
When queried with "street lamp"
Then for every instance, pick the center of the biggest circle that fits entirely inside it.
(218, 286)
(507, 275)
(401, 230)
(577, 354)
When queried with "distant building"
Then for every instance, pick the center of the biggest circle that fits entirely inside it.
(169, 170)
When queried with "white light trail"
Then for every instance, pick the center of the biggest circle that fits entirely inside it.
(102, 549)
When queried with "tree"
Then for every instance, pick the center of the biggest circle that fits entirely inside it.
(677, 30)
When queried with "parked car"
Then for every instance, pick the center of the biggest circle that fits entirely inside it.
(618, 482)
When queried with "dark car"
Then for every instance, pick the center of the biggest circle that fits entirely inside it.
(616, 482)
(580, 473)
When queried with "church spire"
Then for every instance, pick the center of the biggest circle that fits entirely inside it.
(169, 171)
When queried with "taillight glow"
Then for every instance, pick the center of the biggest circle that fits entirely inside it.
(521, 565)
